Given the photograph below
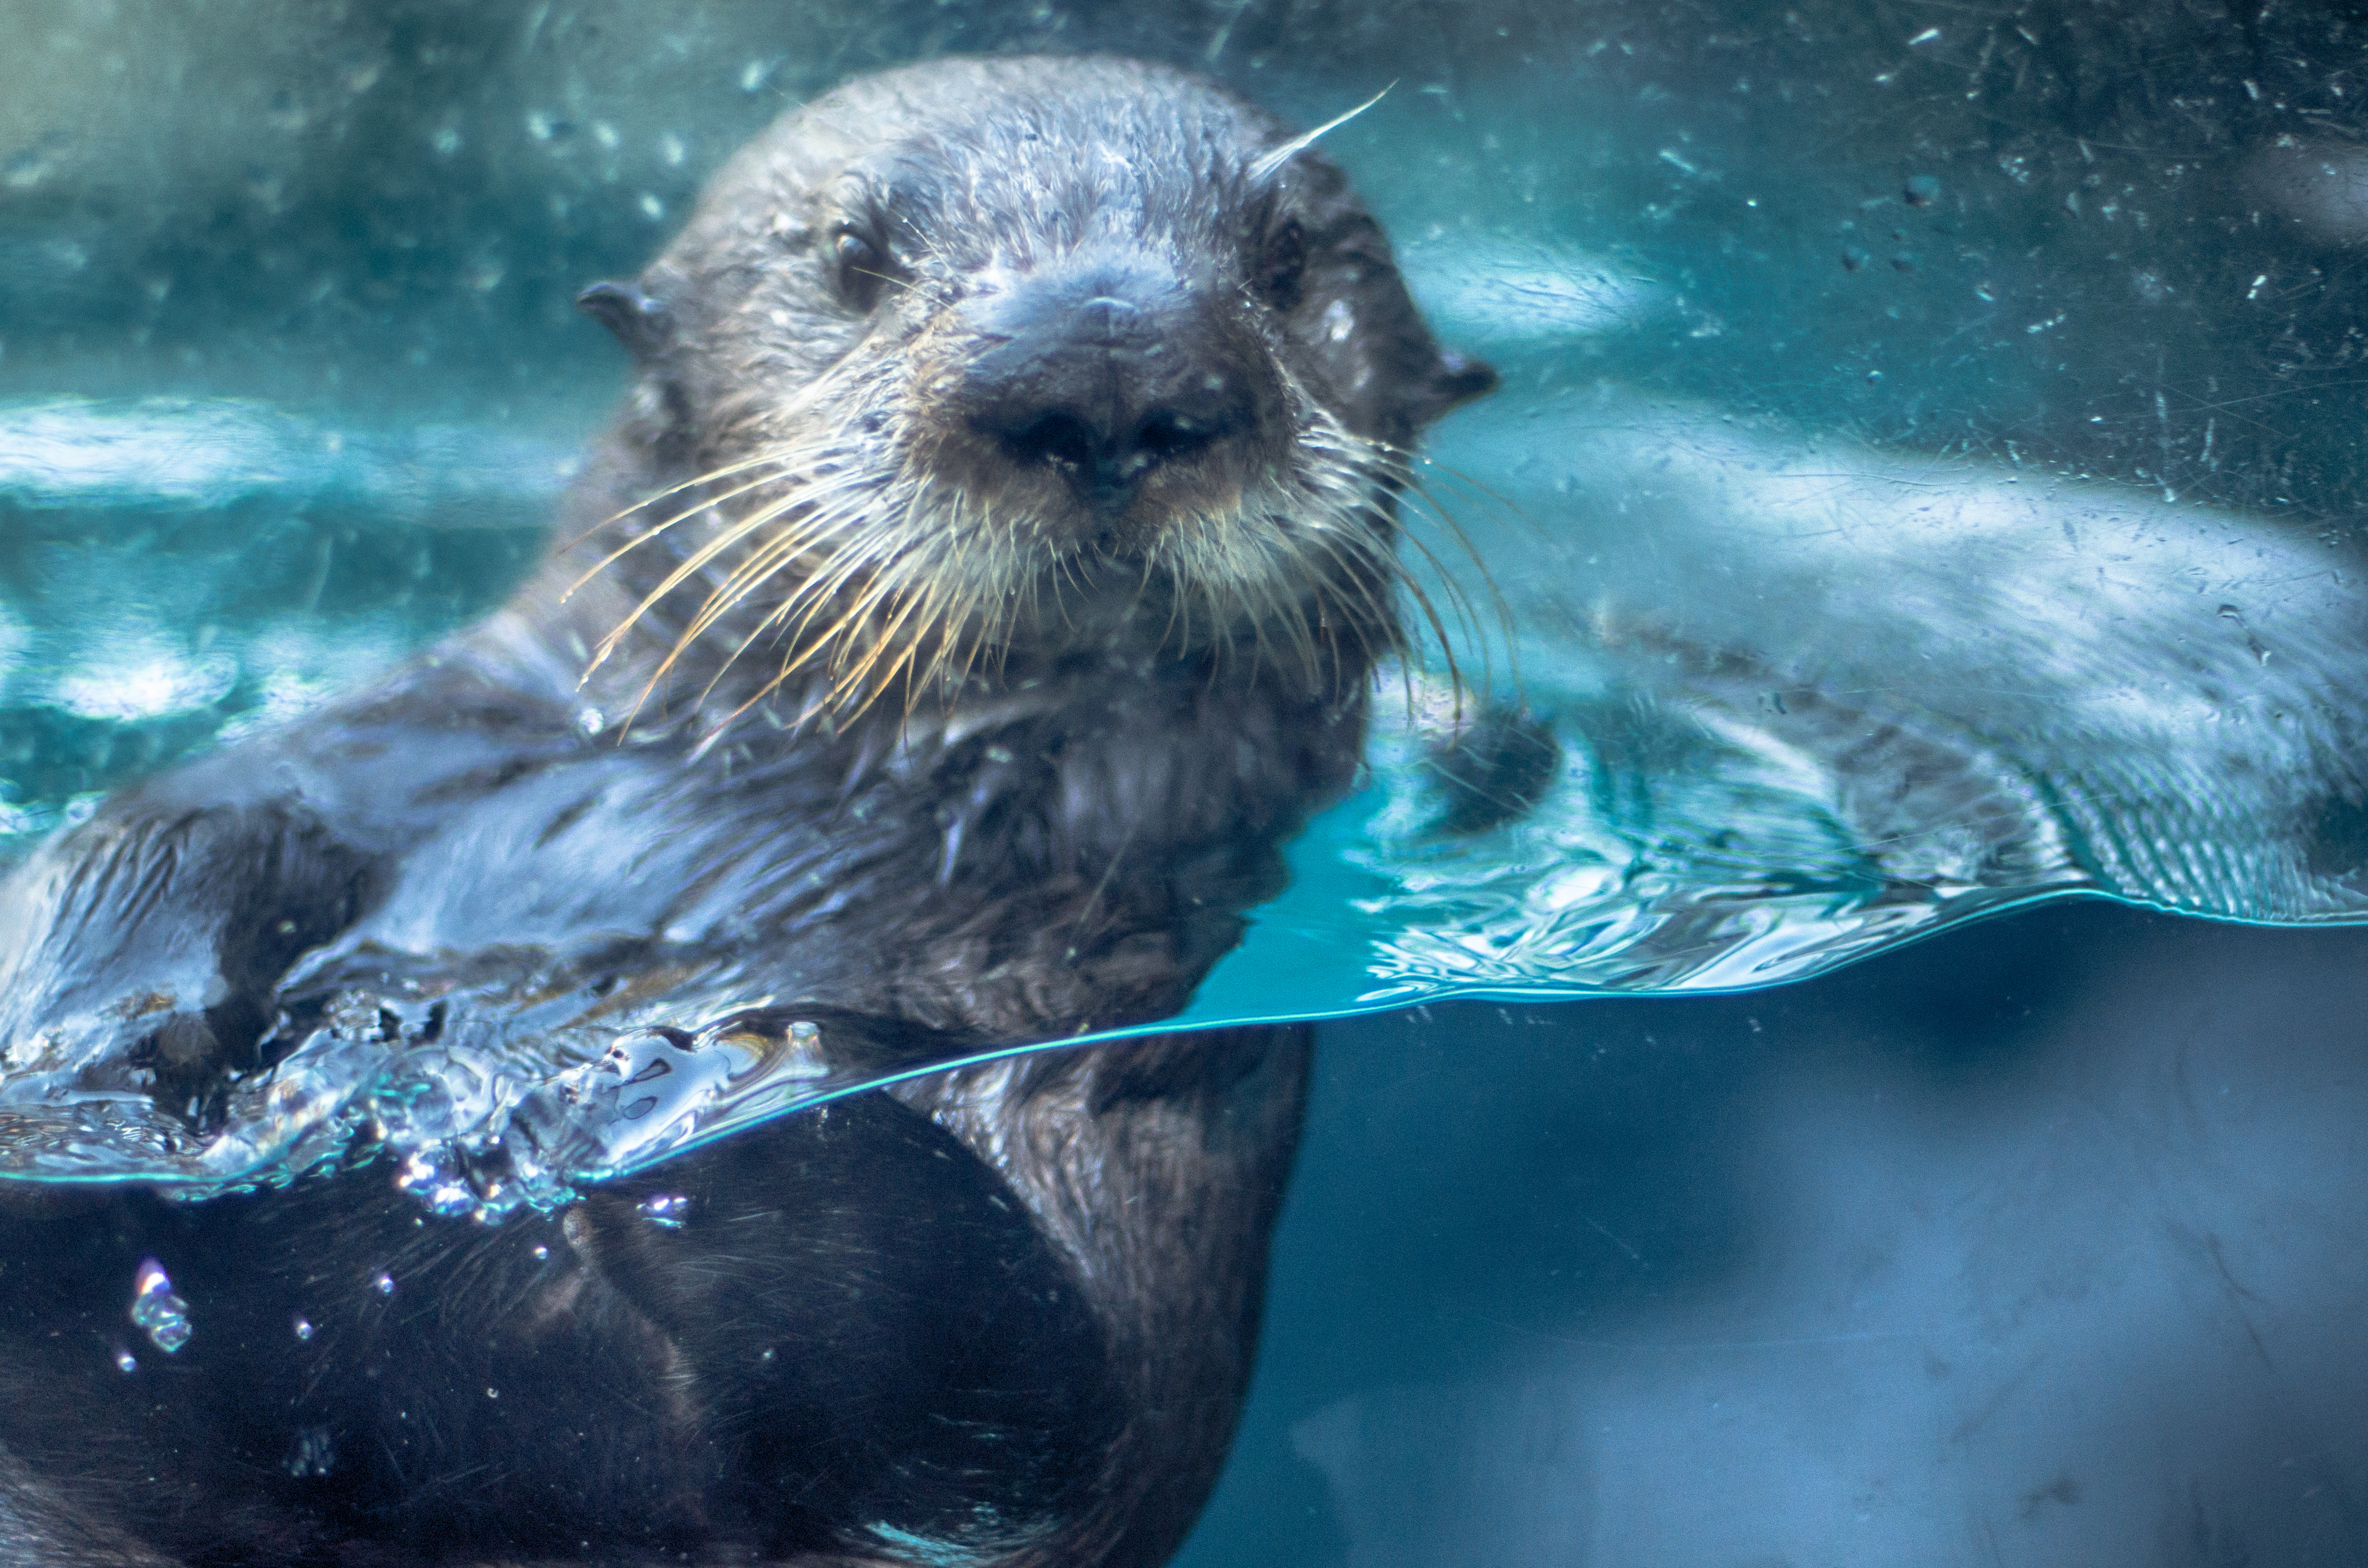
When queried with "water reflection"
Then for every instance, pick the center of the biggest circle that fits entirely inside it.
(1811, 698)
(179, 571)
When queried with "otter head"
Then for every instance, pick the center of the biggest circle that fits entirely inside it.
(985, 364)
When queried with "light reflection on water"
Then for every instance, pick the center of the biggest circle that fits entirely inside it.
(1805, 702)
(179, 571)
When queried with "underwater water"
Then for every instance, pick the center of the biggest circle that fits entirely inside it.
(2038, 1243)
(1924, 485)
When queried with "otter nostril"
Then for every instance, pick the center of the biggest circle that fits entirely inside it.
(1104, 466)
(1063, 440)
(1165, 436)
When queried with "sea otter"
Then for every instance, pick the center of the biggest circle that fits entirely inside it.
(984, 579)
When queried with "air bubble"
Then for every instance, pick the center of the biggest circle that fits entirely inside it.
(161, 1314)
(315, 1453)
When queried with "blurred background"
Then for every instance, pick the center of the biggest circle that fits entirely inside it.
(2035, 1242)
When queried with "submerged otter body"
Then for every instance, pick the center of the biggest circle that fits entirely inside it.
(983, 581)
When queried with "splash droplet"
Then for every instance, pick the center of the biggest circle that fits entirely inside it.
(666, 1209)
(164, 1316)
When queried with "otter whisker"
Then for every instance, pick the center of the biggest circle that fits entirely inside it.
(815, 707)
(1262, 585)
(876, 649)
(822, 589)
(781, 455)
(788, 549)
(1458, 600)
(1431, 505)
(840, 639)
(1261, 658)
(950, 622)
(1437, 629)
(1270, 162)
(810, 528)
(767, 559)
(1403, 472)
(1217, 627)
(671, 491)
(896, 584)
(926, 610)
(803, 606)
(1197, 577)
(1410, 464)
(801, 538)
(1303, 632)
(709, 613)
(761, 563)
(1363, 608)
(690, 566)
(648, 534)
(1180, 611)
(966, 629)
(776, 473)
(907, 666)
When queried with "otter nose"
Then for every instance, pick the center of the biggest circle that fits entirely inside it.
(1104, 373)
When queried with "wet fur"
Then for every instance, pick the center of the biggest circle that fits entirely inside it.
(1011, 1309)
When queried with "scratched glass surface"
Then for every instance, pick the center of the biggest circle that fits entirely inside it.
(1924, 482)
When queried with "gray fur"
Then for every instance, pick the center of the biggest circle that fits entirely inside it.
(1023, 795)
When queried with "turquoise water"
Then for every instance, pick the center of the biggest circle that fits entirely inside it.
(1890, 525)
(2035, 1244)
(1807, 700)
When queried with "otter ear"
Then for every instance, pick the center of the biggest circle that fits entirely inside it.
(639, 321)
(1389, 374)
(1454, 380)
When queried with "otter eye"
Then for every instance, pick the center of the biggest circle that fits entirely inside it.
(1282, 264)
(858, 269)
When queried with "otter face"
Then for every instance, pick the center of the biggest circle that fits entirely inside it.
(985, 362)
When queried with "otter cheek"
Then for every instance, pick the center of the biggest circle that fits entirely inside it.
(1142, 393)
